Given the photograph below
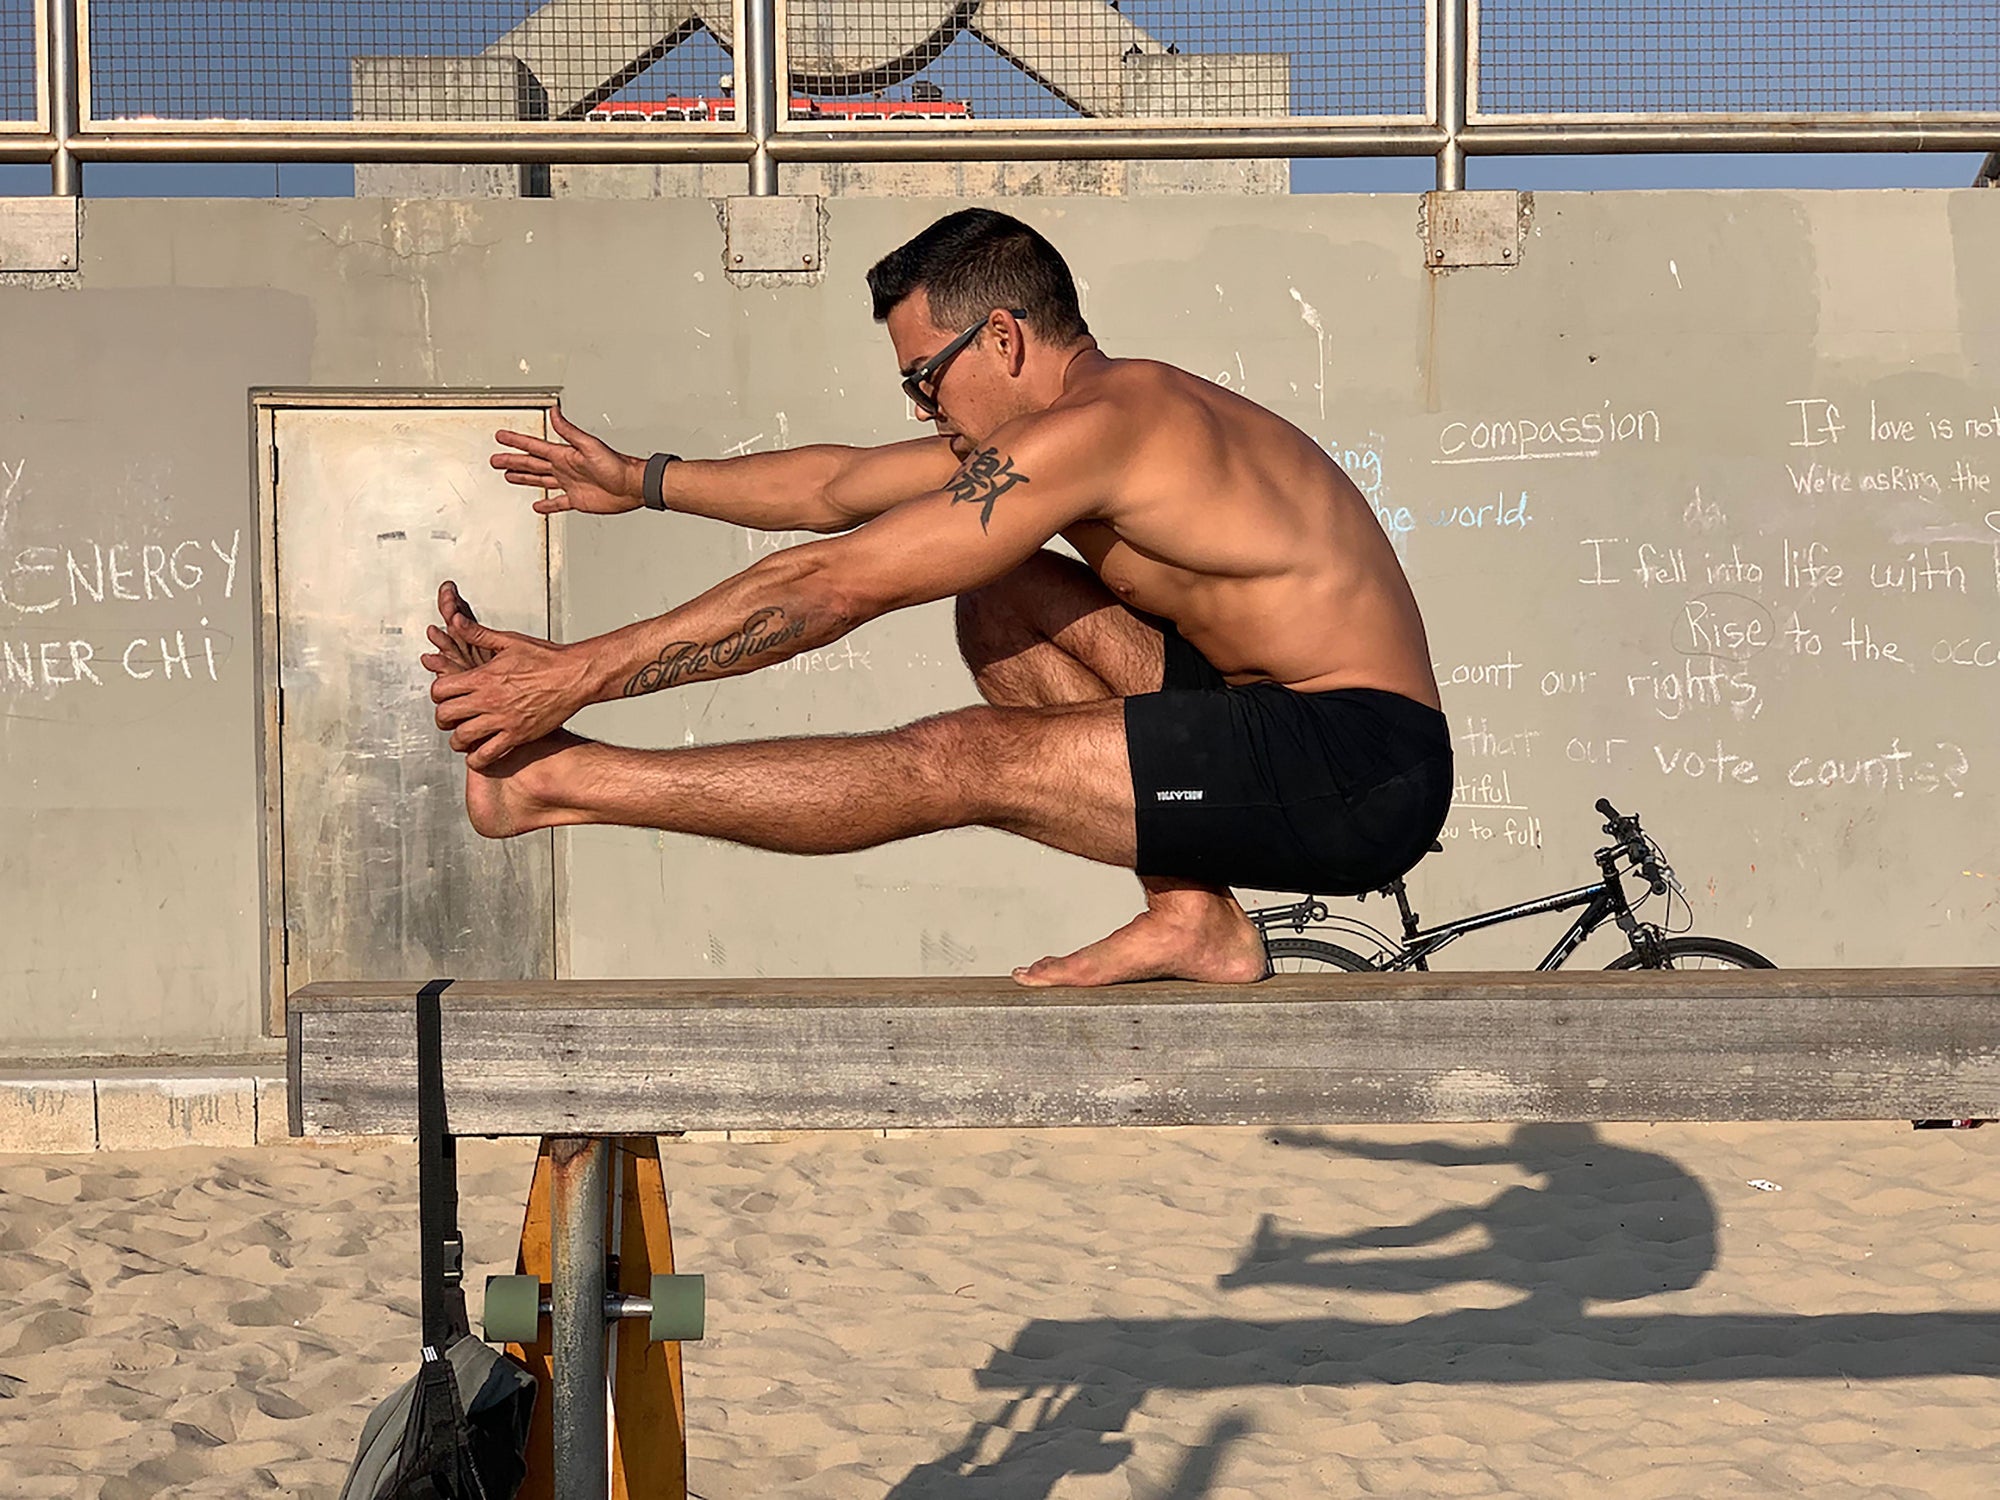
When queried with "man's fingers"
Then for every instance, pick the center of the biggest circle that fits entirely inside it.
(453, 685)
(456, 711)
(570, 431)
(470, 632)
(521, 463)
(496, 747)
(453, 655)
(449, 659)
(452, 603)
(474, 732)
(553, 502)
(542, 481)
(539, 447)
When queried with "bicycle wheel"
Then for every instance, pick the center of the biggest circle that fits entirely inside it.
(1699, 953)
(1300, 955)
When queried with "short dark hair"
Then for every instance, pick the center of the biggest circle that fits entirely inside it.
(975, 260)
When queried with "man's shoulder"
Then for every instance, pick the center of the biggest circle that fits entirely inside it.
(1080, 425)
(1118, 405)
(1134, 379)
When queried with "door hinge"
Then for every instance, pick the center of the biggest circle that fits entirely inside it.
(285, 946)
(274, 465)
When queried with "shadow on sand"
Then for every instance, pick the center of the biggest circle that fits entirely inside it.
(1604, 1224)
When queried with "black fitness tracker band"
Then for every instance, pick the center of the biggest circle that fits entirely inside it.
(656, 469)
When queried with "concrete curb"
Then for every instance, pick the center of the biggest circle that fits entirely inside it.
(61, 1115)
(140, 1111)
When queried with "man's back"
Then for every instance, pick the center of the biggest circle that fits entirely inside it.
(1232, 523)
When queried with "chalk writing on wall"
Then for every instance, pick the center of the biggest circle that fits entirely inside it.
(1814, 632)
(65, 609)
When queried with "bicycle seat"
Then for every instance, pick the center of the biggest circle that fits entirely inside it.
(1437, 847)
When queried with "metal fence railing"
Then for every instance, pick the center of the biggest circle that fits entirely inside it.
(21, 51)
(1561, 59)
(431, 61)
(1031, 60)
(764, 82)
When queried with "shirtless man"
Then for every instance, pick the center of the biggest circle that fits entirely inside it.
(1234, 688)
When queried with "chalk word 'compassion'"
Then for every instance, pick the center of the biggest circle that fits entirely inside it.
(1546, 437)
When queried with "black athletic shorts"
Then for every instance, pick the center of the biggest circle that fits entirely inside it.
(1330, 793)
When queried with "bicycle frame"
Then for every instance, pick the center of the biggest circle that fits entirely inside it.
(1600, 901)
(1603, 900)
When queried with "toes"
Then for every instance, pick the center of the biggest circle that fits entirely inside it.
(1042, 973)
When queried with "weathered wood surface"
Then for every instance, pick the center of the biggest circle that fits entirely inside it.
(649, 1399)
(631, 1058)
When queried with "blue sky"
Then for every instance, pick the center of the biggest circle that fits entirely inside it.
(288, 58)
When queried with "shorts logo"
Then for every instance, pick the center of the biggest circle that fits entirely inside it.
(1178, 796)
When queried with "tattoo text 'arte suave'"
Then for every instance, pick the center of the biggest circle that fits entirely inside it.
(983, 480)
(682, 661)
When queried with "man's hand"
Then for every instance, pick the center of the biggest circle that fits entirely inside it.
(579, 473)
(497, 691)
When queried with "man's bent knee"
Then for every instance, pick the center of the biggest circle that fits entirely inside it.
(1050, 633)
(1019, 607)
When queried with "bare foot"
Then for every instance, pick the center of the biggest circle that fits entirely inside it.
(452, 654)
(1180, 935)
(521, 791)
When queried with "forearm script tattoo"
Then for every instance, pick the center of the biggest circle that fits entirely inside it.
(764, 632)
(983, 480)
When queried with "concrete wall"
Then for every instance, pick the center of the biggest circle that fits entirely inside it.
(901, 179)
(1620, 472)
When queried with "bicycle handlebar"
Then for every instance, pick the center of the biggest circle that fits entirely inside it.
(1626, 831)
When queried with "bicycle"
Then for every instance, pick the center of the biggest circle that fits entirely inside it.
(1632, 852)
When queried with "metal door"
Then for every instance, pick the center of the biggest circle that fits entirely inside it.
(382, 875)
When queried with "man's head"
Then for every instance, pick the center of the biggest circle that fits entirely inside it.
(993, 283)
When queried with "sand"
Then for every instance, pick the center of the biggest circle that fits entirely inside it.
(1225, 1314)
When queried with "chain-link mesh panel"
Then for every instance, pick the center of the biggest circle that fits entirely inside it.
(425, 60)
(943, 62)
(17, 61)
(1737, 57)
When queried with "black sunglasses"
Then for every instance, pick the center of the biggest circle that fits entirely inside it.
(920, 385)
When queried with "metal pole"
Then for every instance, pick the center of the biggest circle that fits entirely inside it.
(1633, 134)
(760, 93)
(1093, 142)
(266, 142)
(1512, 136)
(65, 172)
(1452, 76)
(579, 1173)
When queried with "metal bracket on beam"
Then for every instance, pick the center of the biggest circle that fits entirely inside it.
(767, 236)
(1475, 229)
(39, 234)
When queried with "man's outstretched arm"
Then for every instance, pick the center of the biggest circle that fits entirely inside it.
(824, 487)
(1000, 507)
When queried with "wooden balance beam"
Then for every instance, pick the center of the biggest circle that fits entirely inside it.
(582, 1062)
(621, 1058)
